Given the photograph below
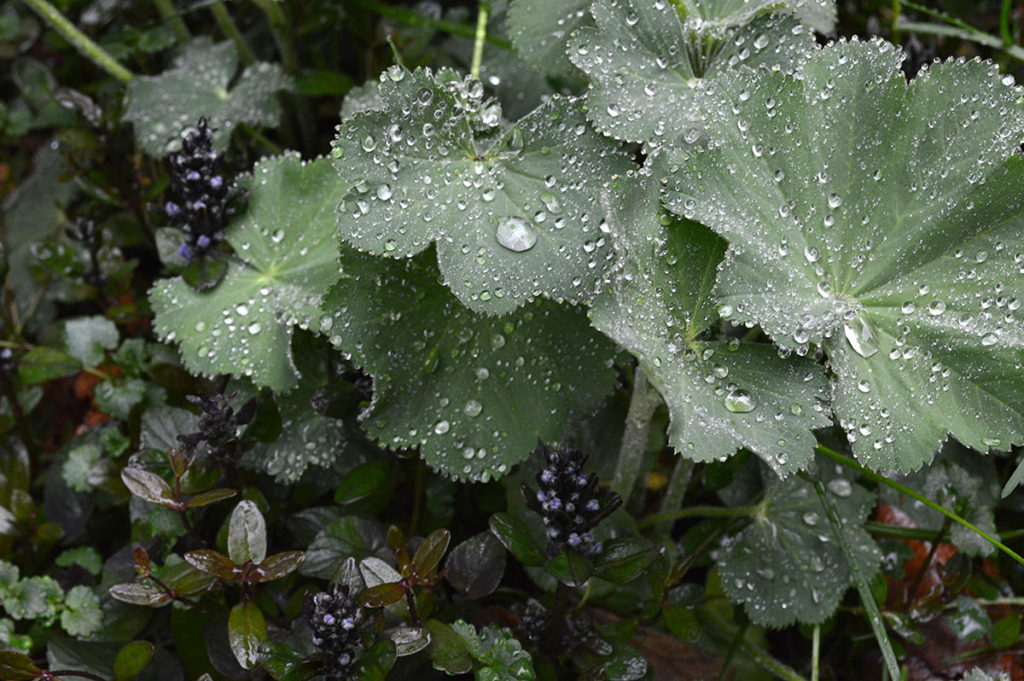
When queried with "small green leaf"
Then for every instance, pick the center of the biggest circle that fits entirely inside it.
(279, 565)
(42, 364)
(132, 659)
(247, 629)
(362, 481)
(624, 559)
(513, 534)
(376, 662)
(88, 337)
(140, 593)
(79, 464)
(247, 534)
(148, 486)
(430, 552)
(1006, 631)
(212, 563)
(497, 655)
(85, 556)
(570, 568)
(447, 649)
(118, 398)
(409, 640)
(475, 567)
(81, 616)
(786, 565)
(681, 622)
(511, 218)
(17, 667)
(163, 106)
(348, 537)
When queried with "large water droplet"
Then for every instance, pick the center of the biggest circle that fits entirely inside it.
(473, 408)
(516, 234)
(861, 336)
(739, 401)
(841, 487)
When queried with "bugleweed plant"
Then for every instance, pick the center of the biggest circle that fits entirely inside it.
(540, 339)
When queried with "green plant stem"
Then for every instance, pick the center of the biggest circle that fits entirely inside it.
(676, 490)
(863, 588)
(478, 39)
(815, 652)
(80, 41)
(1004, 23)
(734, 647)
(699, 512)
(958, 29)
(894, 25)
(935, 541)
(261, 138)
(754, 653)
(230, 29)
(411, 18)
(173, 20)
(903, 489)
(280, 29)
(642, 403)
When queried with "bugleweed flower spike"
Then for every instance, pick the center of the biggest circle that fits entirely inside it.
(569, 501)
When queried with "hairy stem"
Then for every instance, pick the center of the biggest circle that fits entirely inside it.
(644, 401)
(676, 490)
(863, 588)
(80, 41)
(753, 652)
(699, 512)
(411, 18)
(478, 39)
(173, 20)
(230, 29)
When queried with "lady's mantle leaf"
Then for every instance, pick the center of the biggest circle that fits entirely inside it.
(648, 66)
(514, 213)
(884, 221)
(474, 392)
(161, 107)
(287, 260)
(721, 395)
(540, 29)
(787, 565)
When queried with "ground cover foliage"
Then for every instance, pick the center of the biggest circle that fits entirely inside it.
(526, 339)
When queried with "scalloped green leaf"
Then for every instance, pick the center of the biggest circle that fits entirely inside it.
(722, 394)
(473, 392)
(540, 30)
(308, 438)
(515, 212)
(787, 565)
(882, 221)
(197, 85)
(286, 260)
(648, 67)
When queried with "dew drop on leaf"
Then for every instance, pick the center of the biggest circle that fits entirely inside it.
(516, 234)
(739, 401)
(861, 336)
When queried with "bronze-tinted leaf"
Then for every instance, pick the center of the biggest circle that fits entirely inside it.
(277, 566)
(212, 563)
(148, 486)
(383, 594)
(430, 552)
(210, 497)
